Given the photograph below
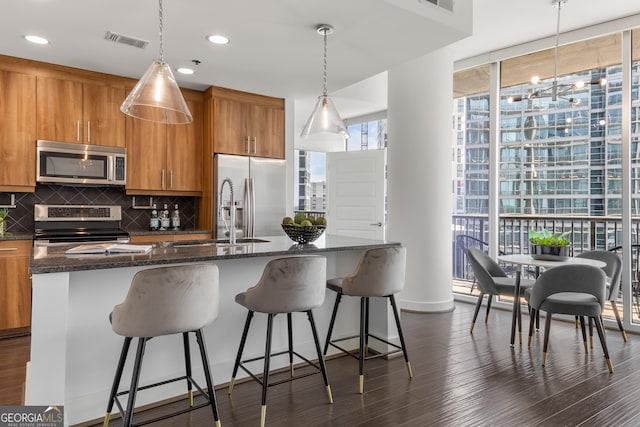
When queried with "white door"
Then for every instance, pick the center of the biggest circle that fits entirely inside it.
(356, 193)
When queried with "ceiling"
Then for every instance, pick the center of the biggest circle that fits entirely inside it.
(274, 48)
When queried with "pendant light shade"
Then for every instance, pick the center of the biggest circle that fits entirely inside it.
(157, 97)
(324, 121)
(325, 125)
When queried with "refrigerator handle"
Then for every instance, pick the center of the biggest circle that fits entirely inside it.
(246, 210)
(252, 208)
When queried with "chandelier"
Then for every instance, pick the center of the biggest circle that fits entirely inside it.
(557, 90)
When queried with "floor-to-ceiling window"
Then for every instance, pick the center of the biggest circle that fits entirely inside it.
(560, 150)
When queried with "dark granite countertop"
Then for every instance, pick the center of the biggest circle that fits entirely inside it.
(167, 232)
(53, 259)
(16, 236)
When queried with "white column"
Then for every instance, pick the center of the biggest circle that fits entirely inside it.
(419, 177)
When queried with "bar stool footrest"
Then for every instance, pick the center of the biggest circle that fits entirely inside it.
(355, 352)
(286, 380)
(172, 414)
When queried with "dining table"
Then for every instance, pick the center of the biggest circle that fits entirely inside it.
(521, 260)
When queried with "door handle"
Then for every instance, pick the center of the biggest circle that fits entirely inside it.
(377, 224)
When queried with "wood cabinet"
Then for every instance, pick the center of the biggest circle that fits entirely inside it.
(87, 113)
(247, 124)
(165, 159)
(17, 132)
(15, 287)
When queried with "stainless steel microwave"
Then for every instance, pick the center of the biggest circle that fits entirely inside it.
(80, 164)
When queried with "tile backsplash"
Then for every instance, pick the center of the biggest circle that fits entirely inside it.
(20, 219)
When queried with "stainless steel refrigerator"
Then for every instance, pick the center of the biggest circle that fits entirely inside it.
(259, 192)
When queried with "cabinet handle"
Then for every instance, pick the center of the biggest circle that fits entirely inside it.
(78, 130)
(162, 178)
(8, 249)
(88, 131)
(171, 179)
(255, 145)
(248, 146)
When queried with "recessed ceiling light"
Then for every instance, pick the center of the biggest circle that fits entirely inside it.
(184, 70)
(217, 39)
(36, 39)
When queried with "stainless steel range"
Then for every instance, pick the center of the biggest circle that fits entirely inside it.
(68, 224)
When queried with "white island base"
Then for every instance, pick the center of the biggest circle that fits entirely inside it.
(74, 351)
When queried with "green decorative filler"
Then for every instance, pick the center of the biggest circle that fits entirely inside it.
(548, 245)
(546, 238)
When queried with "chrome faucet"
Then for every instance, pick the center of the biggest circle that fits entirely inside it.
(232, 211)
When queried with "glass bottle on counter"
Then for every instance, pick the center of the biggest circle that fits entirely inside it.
(154, 221)
(165, 221)
(175, 218)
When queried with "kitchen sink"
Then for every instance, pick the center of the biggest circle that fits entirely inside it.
(195, 243)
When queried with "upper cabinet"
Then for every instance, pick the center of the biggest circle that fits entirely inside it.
(17, 132)
(247, 124)
(166, 159)
(86, 113)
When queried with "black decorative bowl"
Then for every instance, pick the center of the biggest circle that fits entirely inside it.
(303, 234)
(550, 253)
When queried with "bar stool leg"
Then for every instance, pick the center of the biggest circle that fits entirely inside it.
(135, 379)
(361, 352)
(332, 322)
(265, 376)
(207, 376)
(404, 347)
(323, 367)
(290, 336)
(243, 340)
(116, 379)
(187, 362)
(366, 327)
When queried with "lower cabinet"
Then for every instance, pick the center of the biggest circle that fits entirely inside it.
(15, 287)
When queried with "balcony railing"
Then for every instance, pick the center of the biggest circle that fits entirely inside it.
(585, 233)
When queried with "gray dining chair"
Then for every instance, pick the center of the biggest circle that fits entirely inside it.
(492, 280)
(577, 290)
(613, 270)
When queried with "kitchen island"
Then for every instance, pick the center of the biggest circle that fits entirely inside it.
(74, 351)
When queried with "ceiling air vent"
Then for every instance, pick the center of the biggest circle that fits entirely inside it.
(445, 4)
(128, 40)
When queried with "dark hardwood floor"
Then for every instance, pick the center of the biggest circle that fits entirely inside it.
(459, 380)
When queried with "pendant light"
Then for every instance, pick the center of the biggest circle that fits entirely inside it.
(325, 125)
(157, 97)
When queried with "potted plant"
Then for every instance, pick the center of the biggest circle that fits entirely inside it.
(4, 213)
(548, 245)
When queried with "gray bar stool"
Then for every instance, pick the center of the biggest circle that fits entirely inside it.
(380, 273)
(165, 301)
(287, 285)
